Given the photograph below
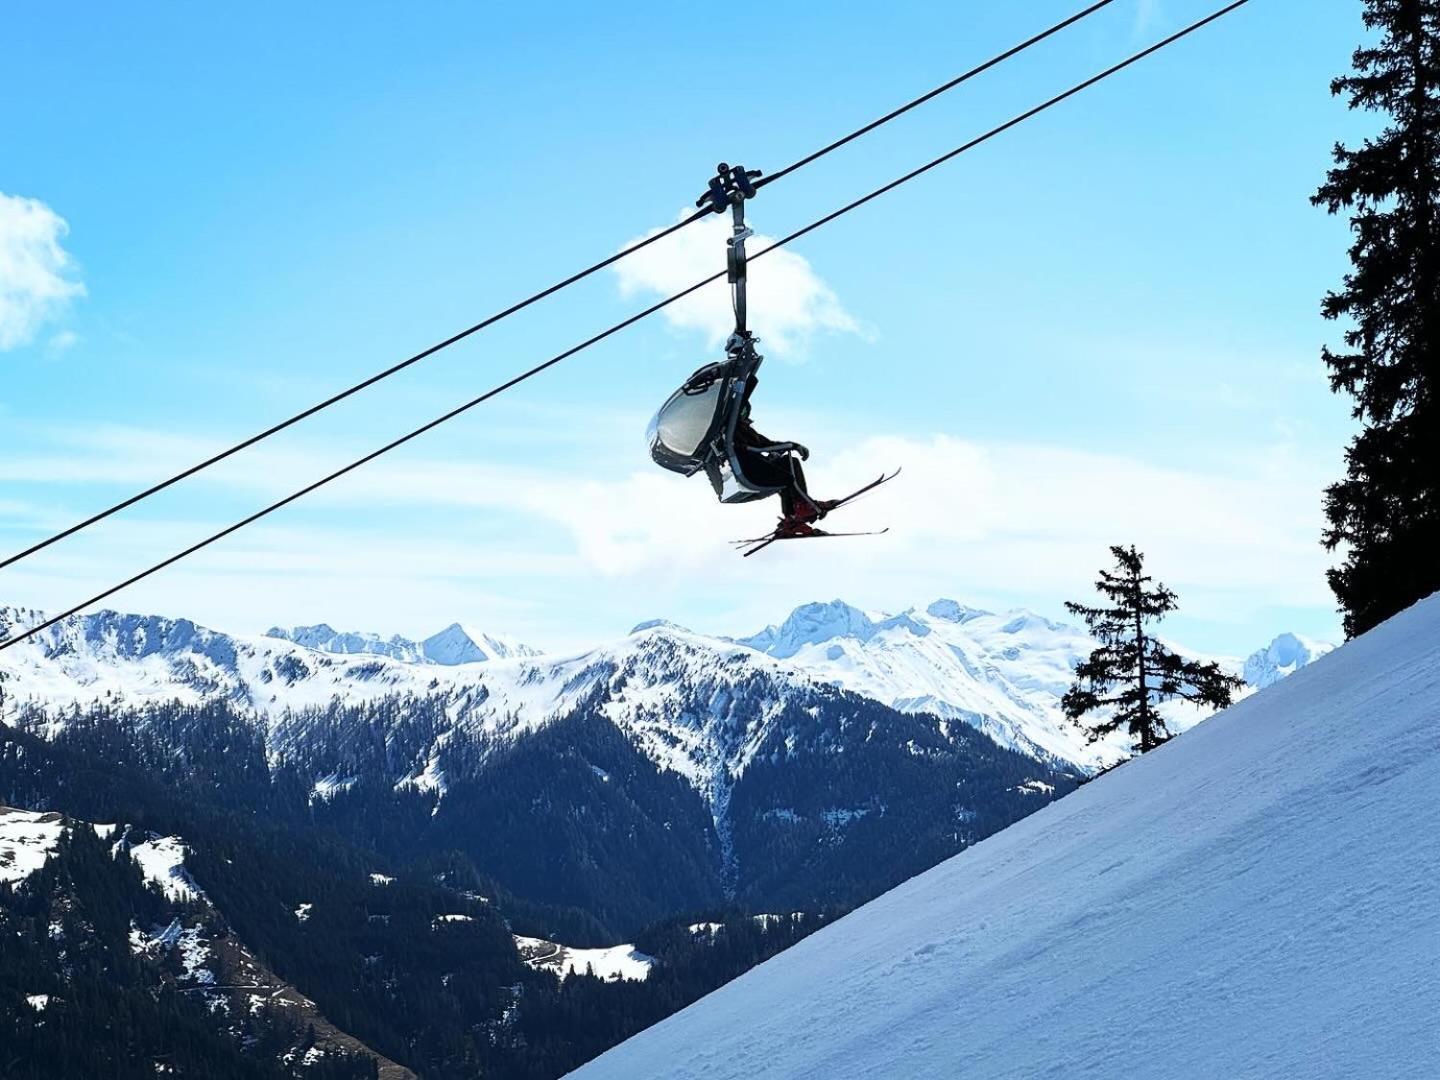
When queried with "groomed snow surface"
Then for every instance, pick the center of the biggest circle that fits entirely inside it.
(1256, 899)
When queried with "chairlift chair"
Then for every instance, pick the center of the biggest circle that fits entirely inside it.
(695, 428)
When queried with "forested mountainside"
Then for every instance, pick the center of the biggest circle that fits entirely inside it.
(237, 940)
(394, 906)
(841, 798)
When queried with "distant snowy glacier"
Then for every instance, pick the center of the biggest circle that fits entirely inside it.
(1002, 674)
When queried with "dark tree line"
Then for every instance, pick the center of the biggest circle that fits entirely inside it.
(1384, 516)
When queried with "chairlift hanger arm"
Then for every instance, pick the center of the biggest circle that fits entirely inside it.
(729, 189)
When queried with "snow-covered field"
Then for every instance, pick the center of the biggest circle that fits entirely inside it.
(26, 842)
(162, 860)
(616, 962)
(1255, 899)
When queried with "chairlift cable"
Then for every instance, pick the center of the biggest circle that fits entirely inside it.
(410, 361)
(923, 98)
(616, 328)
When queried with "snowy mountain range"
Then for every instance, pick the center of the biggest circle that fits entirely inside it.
(706, 770)
(456, 644)
(1002, 674)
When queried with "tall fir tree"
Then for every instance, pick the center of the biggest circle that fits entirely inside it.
(1131, 672)
(1385, 514)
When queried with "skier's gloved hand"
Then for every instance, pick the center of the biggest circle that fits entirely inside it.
(803, 451)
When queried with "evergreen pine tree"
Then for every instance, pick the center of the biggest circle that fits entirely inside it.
(1131, 672)
(1386, 512)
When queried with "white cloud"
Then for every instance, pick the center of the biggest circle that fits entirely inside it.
(569, 554)
(788, 301)
(1029, 522)
(36, 283)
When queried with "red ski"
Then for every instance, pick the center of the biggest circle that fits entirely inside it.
(813, 534)
(760, 543)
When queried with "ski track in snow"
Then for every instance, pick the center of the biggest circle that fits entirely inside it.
(1256, 899)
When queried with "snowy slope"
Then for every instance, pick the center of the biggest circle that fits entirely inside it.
(611, 964)
(27, 840)
(162, 861)
(1254, 899)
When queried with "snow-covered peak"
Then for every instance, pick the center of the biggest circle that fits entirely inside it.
(115, 635)
(1021, 621)
(324, 638)
(953, 611)
(1283, 656)
(1003, 674)
(812, 624)
(658, 624)
(460, 644)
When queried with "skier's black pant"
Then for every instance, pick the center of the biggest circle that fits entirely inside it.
(777, 470)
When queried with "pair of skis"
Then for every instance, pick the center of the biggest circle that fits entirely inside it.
(760, 543)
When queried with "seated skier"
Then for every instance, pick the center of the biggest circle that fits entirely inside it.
(768, 463)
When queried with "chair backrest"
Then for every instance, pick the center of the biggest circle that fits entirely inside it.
(695, 428)
(682, 430)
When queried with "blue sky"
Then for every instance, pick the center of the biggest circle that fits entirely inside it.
(1100, 328)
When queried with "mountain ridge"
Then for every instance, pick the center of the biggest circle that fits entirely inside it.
(456, 644)
(1002, 673)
